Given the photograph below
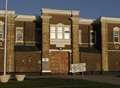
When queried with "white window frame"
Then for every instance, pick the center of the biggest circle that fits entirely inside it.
(67, 32)
(58, 32)
(116, 30)
(19, 29)
(92, 37)
(1, 30)
(52, 32)
(80, 36)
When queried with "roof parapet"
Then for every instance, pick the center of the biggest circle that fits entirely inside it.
(2, 12)
(86, 21)
(62, 12)
(25, 18)
(110, 19)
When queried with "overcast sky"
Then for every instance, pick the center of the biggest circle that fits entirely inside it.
(87, 8)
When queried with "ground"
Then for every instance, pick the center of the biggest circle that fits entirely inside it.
(56, 82)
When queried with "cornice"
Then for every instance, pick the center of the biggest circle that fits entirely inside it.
(25, 18)
(110, 19)
(2, 12)
(86, 21)
(62, 12)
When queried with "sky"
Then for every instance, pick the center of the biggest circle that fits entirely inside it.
(88, 8)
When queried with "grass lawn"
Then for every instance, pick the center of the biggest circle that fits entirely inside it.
(56, 83)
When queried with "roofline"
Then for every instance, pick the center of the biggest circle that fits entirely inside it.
(86, 21)
(25, 18)
(110, 19)
(9, 12)
(56, 11)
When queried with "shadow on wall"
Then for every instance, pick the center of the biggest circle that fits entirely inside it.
(38, 33)
(97, 28)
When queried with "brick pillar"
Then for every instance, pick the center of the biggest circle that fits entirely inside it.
(104, 35)
(45, 41)
(75, 39)
(10, 44)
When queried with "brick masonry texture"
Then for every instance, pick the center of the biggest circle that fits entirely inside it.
(29, 56)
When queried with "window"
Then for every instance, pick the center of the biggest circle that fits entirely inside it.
(92, 38)
(80, 36)
(19, 34)
(1, 30)
(66, 32)
(52, 32)
(116, 34)
(59, 32)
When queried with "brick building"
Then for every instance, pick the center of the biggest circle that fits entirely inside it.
(51, 42)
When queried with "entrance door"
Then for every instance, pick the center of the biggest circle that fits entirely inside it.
(59, 62)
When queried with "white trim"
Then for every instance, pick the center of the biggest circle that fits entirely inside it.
(25, 18)
(116, 29)
(45, 59)
(80, 36)
(92, 37)
(55, 11)
(59, 36)
(63, 30)
(114, 50)
(110, 19)
(46, 71)
(64, 50)
(46, 17)
(113, 43)
(1, 23)
(2, 30)
(9, 12)
(86, 21)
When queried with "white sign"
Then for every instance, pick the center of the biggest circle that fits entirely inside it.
(45, 59)
(81, 67)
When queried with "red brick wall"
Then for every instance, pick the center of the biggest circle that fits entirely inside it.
(28, 62)
(66, 47)
(93, 61)
(114, 61)
(60, 19)
(59, 62)
(29, 31)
